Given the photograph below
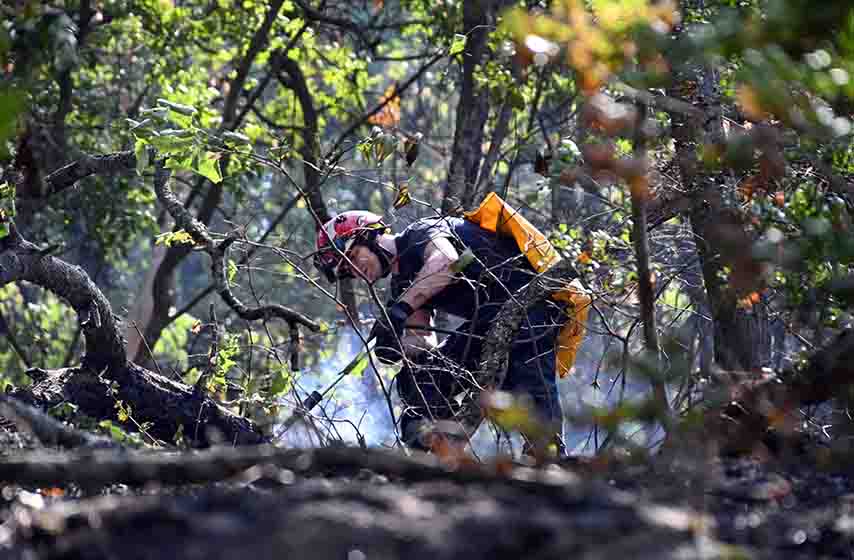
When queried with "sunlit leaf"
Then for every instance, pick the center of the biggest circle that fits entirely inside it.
(403, 197)
(177, 107)
(458, 45)
(140, 149)
(7, 207)
(232, 271)
(170, 238)
(389, 115)
(282, 381)
(208, 166)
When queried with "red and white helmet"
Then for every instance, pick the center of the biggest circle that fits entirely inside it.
(339, 234)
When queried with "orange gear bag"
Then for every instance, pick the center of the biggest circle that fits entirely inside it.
(497, 216)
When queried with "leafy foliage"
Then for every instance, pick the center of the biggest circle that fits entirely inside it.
(262, 116)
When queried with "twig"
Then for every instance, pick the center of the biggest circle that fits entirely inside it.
(10, 336)
(147, 347)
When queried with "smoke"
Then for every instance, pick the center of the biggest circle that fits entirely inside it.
(357, 412)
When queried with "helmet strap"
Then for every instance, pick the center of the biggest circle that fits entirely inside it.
(384, 255)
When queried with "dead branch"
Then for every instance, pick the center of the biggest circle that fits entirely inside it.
(218, 253)
(101, 467)
(68, 175)
(499, 339)
(363, 518)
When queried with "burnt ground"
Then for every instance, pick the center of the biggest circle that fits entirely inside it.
(767, 508)
(350, 505)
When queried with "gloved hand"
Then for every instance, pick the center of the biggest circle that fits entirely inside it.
(388, 332)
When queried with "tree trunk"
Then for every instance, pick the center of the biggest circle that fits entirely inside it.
(741, 332)
(163, 288)
(473, 107)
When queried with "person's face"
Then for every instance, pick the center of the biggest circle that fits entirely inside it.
(365, 261)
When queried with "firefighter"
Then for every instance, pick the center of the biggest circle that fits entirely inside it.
(452, 265)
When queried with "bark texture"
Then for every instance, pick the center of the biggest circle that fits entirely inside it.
(23, 261)
(741, 333)
(105, 376)
(479, 18)
(367, 518)
(165, 404)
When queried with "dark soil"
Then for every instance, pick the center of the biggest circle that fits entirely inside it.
(725, 508)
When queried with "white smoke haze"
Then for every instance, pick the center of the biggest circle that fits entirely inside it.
(357, 407)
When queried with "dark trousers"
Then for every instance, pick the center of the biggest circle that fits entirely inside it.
(428, 388)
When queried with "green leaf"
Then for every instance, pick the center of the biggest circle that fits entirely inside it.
(157, 112)
(140, 148)
(208, 166)
(11, 104)
(170, 238)
(171, 145)
(236, 138)
(177, 107)
(458, 45)
(232, 271)
(360, 367)
(7, 207)
(282, 381)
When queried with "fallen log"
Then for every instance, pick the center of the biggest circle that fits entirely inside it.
(361, 518)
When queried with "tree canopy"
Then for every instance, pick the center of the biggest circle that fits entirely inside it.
(692, 161)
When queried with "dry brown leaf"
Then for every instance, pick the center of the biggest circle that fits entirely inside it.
(389, 115)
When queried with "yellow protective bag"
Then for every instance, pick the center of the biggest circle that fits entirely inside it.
(572, 332)
(495, 215)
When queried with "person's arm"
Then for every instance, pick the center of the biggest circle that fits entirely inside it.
(416, 340)
(435, 275)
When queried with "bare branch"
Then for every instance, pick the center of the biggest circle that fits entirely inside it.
(68, 175)
(218, 252)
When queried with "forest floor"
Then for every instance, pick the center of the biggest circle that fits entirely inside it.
(733, 508)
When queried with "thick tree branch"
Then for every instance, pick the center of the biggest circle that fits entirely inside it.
(363, 516)
(68, 175)
(152, 398)
(309, 150)
(472, 108)
(23, 261)
(499, 340)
